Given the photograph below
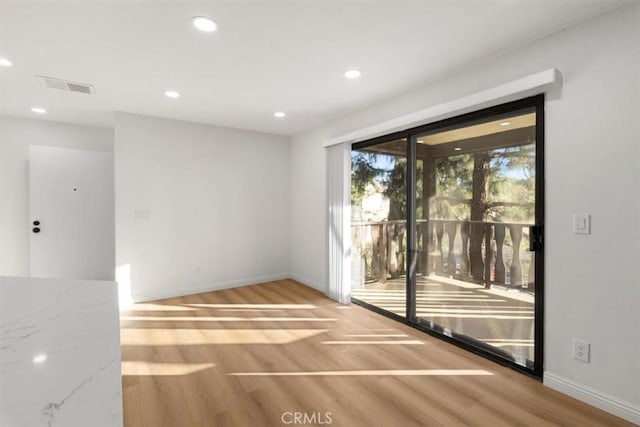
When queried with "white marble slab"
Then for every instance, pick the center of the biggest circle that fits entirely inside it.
(59, 353)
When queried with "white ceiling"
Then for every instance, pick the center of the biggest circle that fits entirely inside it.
(267, 55)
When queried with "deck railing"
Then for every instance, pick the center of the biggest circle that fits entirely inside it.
(473, 251)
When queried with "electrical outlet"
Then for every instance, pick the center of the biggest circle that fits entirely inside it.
(581, 350)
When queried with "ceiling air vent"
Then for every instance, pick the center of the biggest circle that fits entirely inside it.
(51, 83)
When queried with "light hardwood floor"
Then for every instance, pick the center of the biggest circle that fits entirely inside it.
(246, 356)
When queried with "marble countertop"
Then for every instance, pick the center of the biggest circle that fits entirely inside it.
(59, 353)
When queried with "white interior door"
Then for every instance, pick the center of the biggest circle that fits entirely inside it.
(72, 213)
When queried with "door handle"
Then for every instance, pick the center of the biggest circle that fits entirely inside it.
(535, 238)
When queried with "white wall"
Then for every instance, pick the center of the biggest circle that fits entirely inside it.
(592, 165)
(212, 206)
(16, 135)
(308, 260)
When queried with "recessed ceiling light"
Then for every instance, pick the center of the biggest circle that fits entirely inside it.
(40, 358)
(352, 74)
(279, 114)
(172, 94)
(505, 123)
(205, 24)
(457, 149)
(38, 110)
(4, 62)
(420, 141)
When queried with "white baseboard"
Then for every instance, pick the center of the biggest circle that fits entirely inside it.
(180, 292)
(611, 404)
(309, 283)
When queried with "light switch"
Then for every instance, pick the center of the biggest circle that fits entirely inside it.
(581, 223)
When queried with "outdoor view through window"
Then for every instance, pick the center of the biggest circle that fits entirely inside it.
(475, 203)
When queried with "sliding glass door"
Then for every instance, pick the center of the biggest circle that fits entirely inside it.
(447, 229)
(379, 224)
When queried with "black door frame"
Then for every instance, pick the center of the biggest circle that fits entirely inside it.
(468, 343)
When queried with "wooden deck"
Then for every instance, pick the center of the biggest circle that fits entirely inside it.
(248, 356)
(499, 317)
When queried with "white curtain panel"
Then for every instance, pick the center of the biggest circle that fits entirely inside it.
(339, 227)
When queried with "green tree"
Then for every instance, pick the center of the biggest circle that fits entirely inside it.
(363, 173)
(496, 185)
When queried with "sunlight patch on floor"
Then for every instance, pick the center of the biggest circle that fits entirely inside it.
(376, 335)
(131, 367)
(158, 307)
(151, 337)
(390, 342)
(279, 306)
(392, 372)
(249, 310)
(472, 316)
(230, 319)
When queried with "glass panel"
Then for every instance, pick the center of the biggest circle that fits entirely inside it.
(378, 224)
(476, 203)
